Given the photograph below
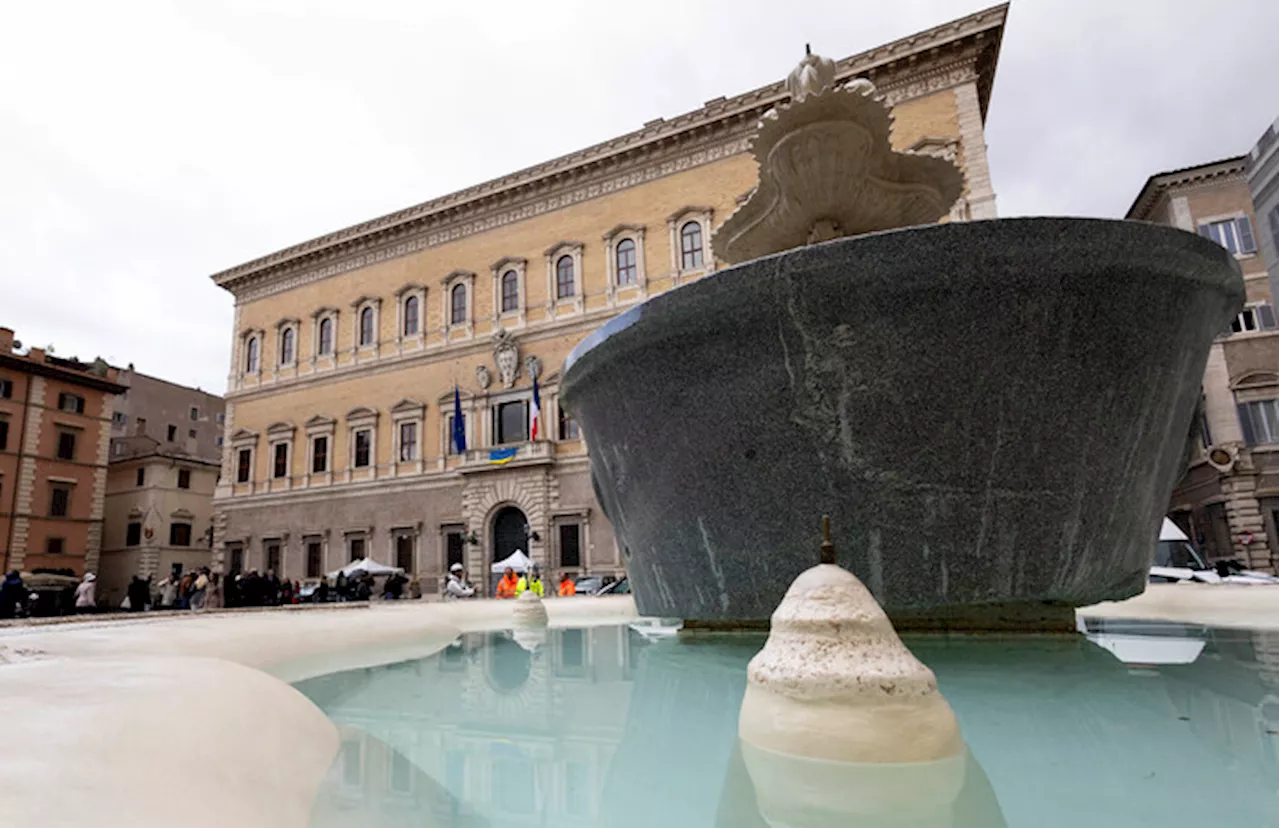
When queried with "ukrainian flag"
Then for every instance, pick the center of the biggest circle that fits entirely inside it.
(498, 457)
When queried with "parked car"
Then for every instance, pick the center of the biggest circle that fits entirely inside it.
(1177, 561)
(588, 584)
(618, 587)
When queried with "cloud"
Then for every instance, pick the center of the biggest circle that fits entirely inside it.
(145, 144)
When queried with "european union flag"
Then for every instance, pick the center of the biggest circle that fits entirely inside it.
(459, 424)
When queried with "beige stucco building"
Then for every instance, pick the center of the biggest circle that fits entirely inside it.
(166, 450)
(1227, 500)
(347, 348)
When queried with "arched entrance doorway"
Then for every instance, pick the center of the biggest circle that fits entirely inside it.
(509, 532)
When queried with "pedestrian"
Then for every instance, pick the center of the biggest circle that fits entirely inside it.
(567, 587)
(214, 599)
(340, 586)
(458, 586)
(138, 594)
(86, 600)
(322, 591)
(532, 582)
(168, 592)
(198, 589)
(13, 595)
(507, 586)
(286, 592)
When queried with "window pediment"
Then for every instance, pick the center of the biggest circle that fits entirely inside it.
(409, 288)
(320, 421)
(366, 300)
(281, 429)
(455, 275)
(325, 311)
(689, 211)
(244, 435)
(182, 514)
(361, 415)
(1256, 379)
(562, 247)
(287, 322)
(408, 406)
(508, 263)
(619, 229)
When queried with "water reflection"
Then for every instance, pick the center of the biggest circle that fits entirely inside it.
(599, 727)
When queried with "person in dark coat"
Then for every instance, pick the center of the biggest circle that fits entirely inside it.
(322, 591)
(139, 593)
(13, 594)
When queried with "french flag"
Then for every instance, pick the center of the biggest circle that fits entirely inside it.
(534, 411)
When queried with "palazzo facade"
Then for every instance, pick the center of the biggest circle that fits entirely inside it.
(347, 348)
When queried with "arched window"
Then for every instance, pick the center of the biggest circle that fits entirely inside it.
(366, 326)
(691, 246)
(251, 356)
(626, 260)
(411, 316)
(510, 291)
(326, 336)
(286, 346)
(458, 305)
(564, 277)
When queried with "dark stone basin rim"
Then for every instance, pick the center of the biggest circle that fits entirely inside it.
(898, 260)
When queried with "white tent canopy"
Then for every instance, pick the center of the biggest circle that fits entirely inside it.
(1169, 531)
(517, 560)
(366, 565)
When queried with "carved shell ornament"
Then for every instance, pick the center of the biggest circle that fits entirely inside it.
(827, 170)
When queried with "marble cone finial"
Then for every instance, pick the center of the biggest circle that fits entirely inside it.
(834, 681)
(827, 169)
(529, 610)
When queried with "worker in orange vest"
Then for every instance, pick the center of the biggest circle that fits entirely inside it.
(507, 586)
(567, 587)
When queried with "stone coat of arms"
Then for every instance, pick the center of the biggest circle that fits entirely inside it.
(506, 355)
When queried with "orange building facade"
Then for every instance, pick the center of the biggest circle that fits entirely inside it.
(55, 434)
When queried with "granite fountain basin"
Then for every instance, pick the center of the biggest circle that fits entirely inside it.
(994, 414)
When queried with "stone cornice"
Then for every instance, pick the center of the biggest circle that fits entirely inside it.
(1161, 183)
(906, 68)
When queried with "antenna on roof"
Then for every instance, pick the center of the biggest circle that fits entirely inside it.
(806, 50)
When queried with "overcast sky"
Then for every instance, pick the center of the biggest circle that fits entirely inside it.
(146, 145)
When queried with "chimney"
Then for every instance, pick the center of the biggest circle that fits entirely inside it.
(6, 340)
(36, 354)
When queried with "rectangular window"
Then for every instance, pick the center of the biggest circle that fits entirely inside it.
(59, 501)
(184, 478)
(280, 461)
(356, 545)
(219, 418)
(73, 403)
(173, 433)
(1260, 317)
(191, 433)
(453, 547)
(218, 441)
(195, 413)
(314, 550)
(319, 455)
(363, 440)
(401, 773)
(54, 546)
(244, 465)
(237, 558)
(570, 545)
(1236, 235)
(1273, 219)
(119, 418)
(408, 442)
(273, 558)
(512, 422)
(450, 444)
(4, 434)
(404, 552)
(179, 534)
(140, 426)
(6, 388)
(1258, 421)
(133, 534)
(66, 445)
(573, 653)
(140, 476)
(568, 426)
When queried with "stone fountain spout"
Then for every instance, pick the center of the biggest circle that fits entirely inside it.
(828, 170)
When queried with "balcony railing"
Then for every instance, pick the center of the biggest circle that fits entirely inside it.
(543, 451)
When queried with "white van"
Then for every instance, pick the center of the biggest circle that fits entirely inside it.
(1177, 561)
